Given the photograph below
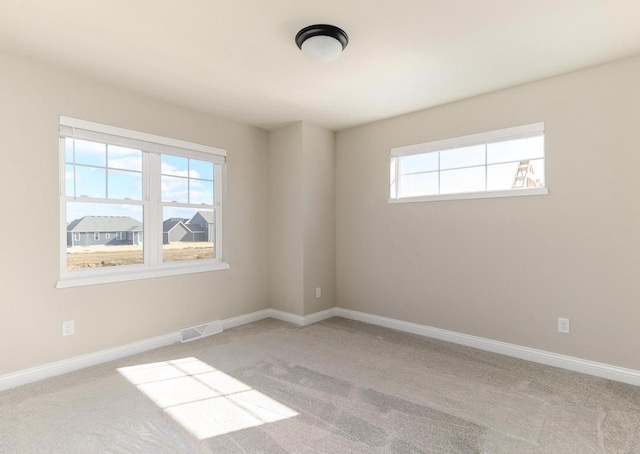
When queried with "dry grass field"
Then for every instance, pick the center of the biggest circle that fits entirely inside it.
(81, 257)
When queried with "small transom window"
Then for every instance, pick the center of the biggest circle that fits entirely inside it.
(495, 163)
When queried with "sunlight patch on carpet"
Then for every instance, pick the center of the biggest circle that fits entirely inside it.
(202, 399)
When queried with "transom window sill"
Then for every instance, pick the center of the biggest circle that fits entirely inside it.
(474, 195)
(134, 273)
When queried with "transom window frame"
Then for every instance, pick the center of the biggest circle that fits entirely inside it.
(499, 135)
(152, 147)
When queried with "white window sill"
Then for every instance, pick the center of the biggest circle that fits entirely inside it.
(474, 195)
(134, 273)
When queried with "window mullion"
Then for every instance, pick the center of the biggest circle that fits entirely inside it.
(218, 177)
(153, 223)
(486, 168)
(438, 172)
(75, 190)
(105, 201)
(106, 171)
(399, 185)
(397, 178)
(189, 181)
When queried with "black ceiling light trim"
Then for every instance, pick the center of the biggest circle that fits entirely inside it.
(322, 30)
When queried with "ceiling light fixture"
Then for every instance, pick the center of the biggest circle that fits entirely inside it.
(321, 42)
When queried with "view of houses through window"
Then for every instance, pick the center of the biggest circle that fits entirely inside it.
(95, 240)
(99, 241)
(126, 206)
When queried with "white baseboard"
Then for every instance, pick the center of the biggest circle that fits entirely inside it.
(287, 317)
(229, 323)
(22, 377)
(610, 372)
(602, 370)
(302, 320)
(319, 316)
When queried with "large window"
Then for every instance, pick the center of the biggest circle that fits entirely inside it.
(498, 163)
(135, 205)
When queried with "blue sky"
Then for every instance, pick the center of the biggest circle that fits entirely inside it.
(183, 180)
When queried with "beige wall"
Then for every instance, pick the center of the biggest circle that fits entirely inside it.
(319, 219)
(502, 269)
(31, 309)
(286, 219)
(302, 218)
(507, 268)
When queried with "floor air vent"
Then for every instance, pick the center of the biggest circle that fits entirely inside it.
(200, 331)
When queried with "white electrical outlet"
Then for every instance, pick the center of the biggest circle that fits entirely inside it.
(318, 292)
(564, 325)
(67, 328)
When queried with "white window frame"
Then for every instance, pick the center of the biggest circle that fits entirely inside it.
(458, 142)
(152, 146)
(96, 236)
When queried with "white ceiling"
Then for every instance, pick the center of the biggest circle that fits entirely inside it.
(238, 60)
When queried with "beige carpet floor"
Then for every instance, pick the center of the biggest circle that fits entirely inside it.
(338, 386)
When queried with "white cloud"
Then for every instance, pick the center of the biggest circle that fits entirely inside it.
(126, 162)
(168, 169)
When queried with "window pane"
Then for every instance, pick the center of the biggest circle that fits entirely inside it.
(187, 234)
(90, 153)
(174, 189)
(419, 184)
(462, 180)
(91, 182)
(125, 185)
(200, 169)
(516, 175)
(537, 167)
(92, 235)
(516, 150)
(124, 158)
(68, 179)
(174, 165)
(201, 191)
(462, 157)
(68, 150)
(418, 163)
(501, 176)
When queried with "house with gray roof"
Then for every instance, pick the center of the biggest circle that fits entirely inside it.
(174, 230)
(199, 228)
(205, 220)
(124, 230)
(104, 230)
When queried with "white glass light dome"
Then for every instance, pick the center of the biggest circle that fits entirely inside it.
(322, 43)
(321, 48)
